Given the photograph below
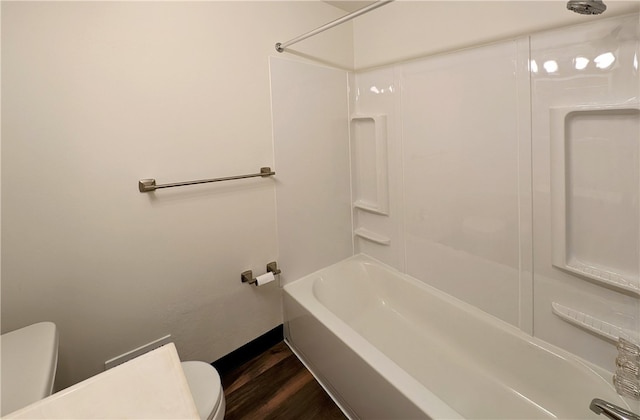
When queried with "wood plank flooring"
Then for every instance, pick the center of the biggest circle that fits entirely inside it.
(276, 385)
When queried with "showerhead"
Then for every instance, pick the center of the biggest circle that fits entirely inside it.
(587, 7)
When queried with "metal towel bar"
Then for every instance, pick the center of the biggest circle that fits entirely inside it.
(148, 185)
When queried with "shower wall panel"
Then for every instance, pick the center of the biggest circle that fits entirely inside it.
(311, 141)
(379, 233)
(465, 160)
(586, 185)
(459, 169)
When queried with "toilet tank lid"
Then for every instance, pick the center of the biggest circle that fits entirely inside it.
(28, 360)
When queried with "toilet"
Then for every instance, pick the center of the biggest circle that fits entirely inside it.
(206, 389)
(29, 358)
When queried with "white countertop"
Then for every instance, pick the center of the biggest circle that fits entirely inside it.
(151, 386)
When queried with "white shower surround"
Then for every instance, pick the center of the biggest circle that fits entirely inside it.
(469, 168)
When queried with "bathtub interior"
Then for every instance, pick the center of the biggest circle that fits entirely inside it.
(482, 367)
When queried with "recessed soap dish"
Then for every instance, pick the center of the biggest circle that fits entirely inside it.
(594, 325)
(595, 189)
(369, 163)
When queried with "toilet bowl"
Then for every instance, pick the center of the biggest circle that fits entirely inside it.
(206, 389)
(28, 360)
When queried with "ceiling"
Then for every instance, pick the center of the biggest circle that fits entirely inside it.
(349, 5)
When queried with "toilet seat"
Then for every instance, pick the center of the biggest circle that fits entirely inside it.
(206, 388)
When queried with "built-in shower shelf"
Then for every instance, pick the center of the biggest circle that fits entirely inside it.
(595, 188)
(594, 193)
(371, 208)
(372, 236)
(369, 163)
(604, 277)
(590, 323)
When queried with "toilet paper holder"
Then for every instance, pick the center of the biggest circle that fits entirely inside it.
(247, 276)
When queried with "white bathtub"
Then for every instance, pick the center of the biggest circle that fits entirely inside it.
(385, 345)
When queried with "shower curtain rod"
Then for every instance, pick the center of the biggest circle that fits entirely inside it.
(281, 46)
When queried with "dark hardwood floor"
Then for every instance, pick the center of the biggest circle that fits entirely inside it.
(276, 385)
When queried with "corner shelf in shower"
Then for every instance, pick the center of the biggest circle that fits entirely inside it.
(368, 207)
(590, 323)
(372, 236)
(369, 163)
(595, 187)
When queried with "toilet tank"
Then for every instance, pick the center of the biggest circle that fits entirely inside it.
(28, 360)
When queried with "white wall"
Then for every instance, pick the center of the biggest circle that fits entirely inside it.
(311, 141)
(97, 95)
(407, 29)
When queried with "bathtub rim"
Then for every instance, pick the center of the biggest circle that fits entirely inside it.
(433, 407)
(303, 288)
(413, 390)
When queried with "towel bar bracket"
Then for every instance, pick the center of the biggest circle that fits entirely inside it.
(146, 185)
